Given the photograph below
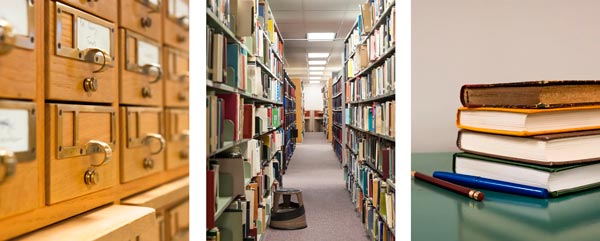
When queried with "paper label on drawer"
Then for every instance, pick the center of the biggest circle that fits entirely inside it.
(92, 35)
(15, 12)
(154, 2)
(178, 8)
(147, 53)
(14, 130)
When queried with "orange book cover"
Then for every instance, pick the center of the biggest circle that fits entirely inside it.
(529, 112)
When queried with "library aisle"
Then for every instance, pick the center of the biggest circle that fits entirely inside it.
(315, 170)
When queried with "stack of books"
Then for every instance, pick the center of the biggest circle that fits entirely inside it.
(541, 133)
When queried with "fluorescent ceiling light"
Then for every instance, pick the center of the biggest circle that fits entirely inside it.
(311, 68)
(318, 55)
(320, 36)
(317, 62)
(315, 77)
(316, 73)
(315, 81)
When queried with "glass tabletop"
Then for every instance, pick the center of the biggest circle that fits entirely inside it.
(439, 214)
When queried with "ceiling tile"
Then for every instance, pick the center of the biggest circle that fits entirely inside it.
(295, 16)
(324, 16)
(285, 5)
(310, 5)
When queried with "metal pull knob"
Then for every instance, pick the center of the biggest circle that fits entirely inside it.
(7, 38)
(90, 84)
(183, 21)
(184, 154)
(91, 177)
(182, 96)
(148, 163)
(94, 146)
(184, 77)
(146, 92)
(89, 55)
(185, 135)
(9, 161)
(146, 22)
(150, 136)
(153, 69)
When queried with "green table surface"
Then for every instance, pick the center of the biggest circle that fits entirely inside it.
(442, 215)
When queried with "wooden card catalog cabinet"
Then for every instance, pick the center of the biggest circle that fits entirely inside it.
(162, 198)
(177, 84)
(81, 61)
(113, 223)
(142, 71)
(103, 8)
(18, 160)
(178, 126)
(176, 24)
(81, 152)
(178, 222)
(142, 16)
(142, 142)
(17, 54)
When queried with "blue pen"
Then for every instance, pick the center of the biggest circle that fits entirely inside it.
(491, 184)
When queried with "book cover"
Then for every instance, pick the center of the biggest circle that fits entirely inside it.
(547, 169)
(532, 94)
(232, 111)
(541, 140)
(210, 199)
(528, 113)
(249, 128)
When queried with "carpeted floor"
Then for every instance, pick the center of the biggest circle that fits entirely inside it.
(330, 214)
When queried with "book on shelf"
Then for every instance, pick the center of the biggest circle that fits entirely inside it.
(233, 118)
(558, 180)
(242, 17)
(251, 151)
(528, 122)
(550, 149)
(366, 19)
(532, 94)
(236, 66)
(211, 198)
(214, 123)
(249, 126)
(218, 51)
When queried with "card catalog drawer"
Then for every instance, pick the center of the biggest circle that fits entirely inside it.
(142, 142)
(81, 154)
(142, 16)
(81, 61)
(178, 221)
(177, 84)
(177, 137)
(113, 223)
(18, 160)
(104, 8)
(17, 54)
(176, 24)
(141, 70)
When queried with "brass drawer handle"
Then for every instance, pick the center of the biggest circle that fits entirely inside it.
(148, 163)
(184, 77)
(7, 38)
(182, 96)
(180, 38)
(157, 136)
(95, 146)
(183, 21)
(89, 55)
(147, 69)
(9, 161)
(184, 154)
(90, 84)
(185, 135)
(91, 177)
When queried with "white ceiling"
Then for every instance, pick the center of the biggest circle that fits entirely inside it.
(295, 18)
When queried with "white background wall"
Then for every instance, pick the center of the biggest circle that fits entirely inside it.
(473, 41)
(313, 98)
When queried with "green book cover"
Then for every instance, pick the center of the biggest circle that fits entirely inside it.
(549, 169)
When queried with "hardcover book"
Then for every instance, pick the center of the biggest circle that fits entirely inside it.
(550, 149)
(558, 180)
(532, 94)
(528, 122)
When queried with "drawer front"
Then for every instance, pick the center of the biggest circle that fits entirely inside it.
(113, 223)
(141, 70)
(142, 142)
(178, 221)
(81, 61)
(106, 9)
(177, 137)
(82, 153)
(18, 160)
(177, 84)
(176, 24)
(17, 54)
(142, 16)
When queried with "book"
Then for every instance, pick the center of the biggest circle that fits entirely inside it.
(532, 94)
(550, 149)
(528, 122)
(211, 199)
(249, 126)
(233, 111)
(558, 180)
